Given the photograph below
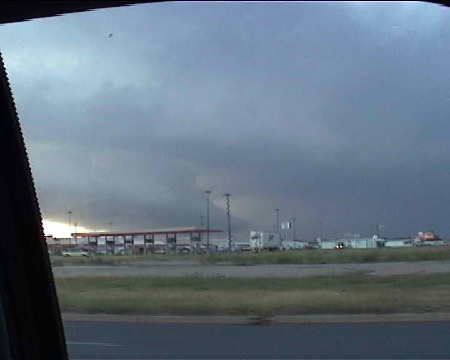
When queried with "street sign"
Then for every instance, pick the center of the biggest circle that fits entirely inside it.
(285, 225)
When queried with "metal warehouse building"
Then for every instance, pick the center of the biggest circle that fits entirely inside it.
(353, 243)
(188, 239)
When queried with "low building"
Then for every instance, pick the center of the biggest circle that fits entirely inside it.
(189, 239)
(397, 243)
(327, 243)
(294, 245)
(361, 243)
(352, 243)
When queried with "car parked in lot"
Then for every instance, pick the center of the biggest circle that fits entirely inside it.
(75, 252)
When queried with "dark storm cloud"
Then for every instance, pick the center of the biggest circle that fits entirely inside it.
(330, 112)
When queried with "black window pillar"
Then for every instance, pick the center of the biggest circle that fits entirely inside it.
(33, 321)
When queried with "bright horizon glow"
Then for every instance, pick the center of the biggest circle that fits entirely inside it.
(60, 230)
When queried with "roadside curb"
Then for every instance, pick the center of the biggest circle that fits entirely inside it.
(162, 319)
(259, 320)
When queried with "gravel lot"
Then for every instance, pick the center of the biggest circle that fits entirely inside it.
(181, 268)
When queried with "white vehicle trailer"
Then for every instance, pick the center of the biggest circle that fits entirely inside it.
(294, 245)
(264, 240)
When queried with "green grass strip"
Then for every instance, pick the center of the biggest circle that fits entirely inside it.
(344, 294)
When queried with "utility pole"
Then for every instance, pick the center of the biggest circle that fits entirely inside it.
(293, 220)
(111, 226)
(321, 230)
(207, 192)
(378, 230)
(278, 222)
(201, 221)
(229, 219)
(70, 226)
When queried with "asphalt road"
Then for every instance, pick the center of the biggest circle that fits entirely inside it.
(122, 340)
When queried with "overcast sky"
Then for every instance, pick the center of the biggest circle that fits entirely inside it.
(332, 112)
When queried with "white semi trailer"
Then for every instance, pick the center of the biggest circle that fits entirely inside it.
(264, 240)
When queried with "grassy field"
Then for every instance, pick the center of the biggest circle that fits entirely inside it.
(349, 294)
(330, 256)
(279, 257)
(58, 260)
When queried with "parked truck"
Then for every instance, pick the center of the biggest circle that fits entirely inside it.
(264, 240)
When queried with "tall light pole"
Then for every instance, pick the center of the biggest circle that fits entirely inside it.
(278, 220)
(378, 229)
(70, 225)
(293, 220)
(76, 238)
(201, 221)
(111, 226)
(229, 219)
(207, 192)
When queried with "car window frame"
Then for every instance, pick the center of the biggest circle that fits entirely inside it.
(30, 318)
